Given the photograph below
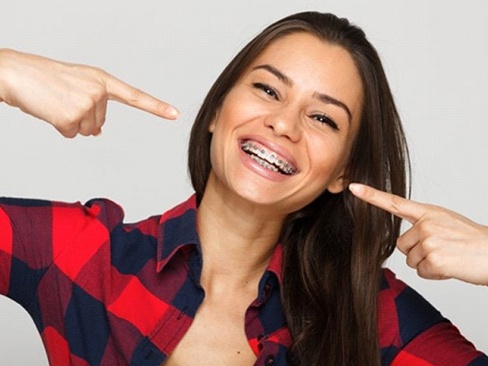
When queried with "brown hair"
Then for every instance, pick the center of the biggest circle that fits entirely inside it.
(335, 246)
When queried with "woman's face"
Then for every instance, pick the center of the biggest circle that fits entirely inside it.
(285, 130)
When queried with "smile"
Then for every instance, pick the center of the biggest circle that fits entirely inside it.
(268, 159)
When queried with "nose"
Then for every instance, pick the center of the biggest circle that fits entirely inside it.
(285, 122)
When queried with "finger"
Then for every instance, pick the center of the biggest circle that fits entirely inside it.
(415, 255)
(430, 269)
(97, 131)
(408, 240)
(124, 93)
(68, 129)
(68, 132)
(100, 115)
(396, 205)
(87, 127)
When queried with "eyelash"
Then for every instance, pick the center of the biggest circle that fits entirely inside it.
(321, 118)
(267, 89)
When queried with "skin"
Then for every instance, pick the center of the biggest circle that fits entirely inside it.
(288, 118)
(72, 98)
(243, 207)
(441, 244)
(235, 259)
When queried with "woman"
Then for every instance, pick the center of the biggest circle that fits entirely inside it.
(303, 110)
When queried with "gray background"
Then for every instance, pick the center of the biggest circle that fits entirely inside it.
(435, 54)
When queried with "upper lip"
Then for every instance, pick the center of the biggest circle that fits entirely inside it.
(269, 145)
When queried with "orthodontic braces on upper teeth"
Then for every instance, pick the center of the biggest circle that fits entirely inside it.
(269, 161)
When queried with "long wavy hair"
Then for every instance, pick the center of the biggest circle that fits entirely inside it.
(334, 247)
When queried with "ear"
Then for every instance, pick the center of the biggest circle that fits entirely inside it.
(338, 185)
(211, 126)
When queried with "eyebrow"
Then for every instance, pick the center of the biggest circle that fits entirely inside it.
(325, 98)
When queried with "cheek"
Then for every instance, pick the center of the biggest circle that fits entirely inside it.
(328, 158)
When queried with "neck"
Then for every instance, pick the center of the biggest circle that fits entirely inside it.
(238, 239)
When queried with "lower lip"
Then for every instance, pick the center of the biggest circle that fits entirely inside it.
(260, 170)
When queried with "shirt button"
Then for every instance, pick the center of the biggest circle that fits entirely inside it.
(269, 360)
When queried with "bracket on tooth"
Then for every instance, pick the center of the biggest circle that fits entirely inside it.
(270, 159)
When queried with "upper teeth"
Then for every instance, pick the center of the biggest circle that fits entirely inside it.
(268, 160)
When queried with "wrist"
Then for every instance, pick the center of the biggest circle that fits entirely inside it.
(6, 54)
(3, 66)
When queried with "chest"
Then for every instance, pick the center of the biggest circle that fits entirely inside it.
(165, 318)
(216, 336)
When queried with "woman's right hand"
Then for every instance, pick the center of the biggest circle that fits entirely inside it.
(73, 98)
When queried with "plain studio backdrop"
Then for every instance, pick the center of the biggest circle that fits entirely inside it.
(435, 54)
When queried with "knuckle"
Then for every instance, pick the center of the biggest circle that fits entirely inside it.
(96, 95)
(410, 262)
(68, 127)
(87, 128)
(434, 263)
(75, 114)
(134, 95)
(429, 245)
(424, 226)
(87, 103)
(101, 121)
(160, 106)
(98, 71)
(85, 133)
(424, 272)
(68, 133)
(66, 124)
(429, 228)
(396, 203)
(97, 131)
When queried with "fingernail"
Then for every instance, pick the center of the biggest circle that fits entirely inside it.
(172, 112)
(356, 188)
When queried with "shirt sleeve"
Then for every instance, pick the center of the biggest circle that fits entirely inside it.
(36, 235)
(414, 333)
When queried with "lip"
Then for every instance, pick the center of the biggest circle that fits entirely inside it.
(269, 145)
(254, 166)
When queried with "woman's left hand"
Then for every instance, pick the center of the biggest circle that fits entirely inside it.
(441, 243)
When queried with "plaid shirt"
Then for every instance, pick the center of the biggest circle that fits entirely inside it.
(102, 292)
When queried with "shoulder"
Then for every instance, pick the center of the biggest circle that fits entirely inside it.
(33, 210)
(412, 331)
(30, 206)
(403, 313)
(404, 308)
(64, 221)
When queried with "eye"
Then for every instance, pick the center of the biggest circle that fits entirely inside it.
(267, 89)
(326, 120)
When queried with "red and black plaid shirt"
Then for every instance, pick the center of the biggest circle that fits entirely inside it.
(102, 292)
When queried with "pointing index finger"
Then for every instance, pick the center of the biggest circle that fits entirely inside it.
(396, 205)
(127, 94)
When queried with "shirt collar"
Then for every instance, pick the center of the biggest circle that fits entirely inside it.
(178, 229)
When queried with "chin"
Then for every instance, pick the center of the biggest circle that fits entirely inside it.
(271, 200)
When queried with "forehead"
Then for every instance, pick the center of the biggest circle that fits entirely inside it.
(315, 65)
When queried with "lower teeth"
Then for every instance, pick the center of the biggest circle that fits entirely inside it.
(264, 164)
